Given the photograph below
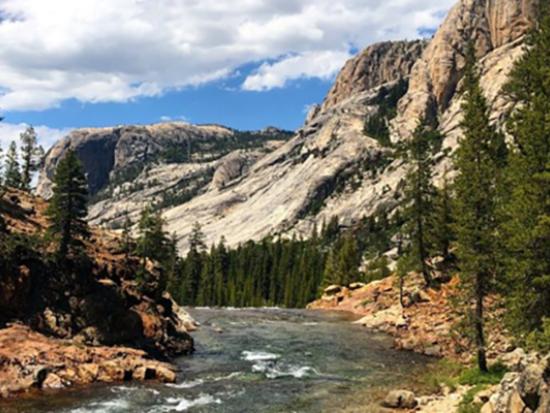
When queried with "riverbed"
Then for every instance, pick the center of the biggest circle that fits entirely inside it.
(258, 360)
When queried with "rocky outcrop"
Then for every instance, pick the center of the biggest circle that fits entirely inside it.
(376, 65)
(527, 389)
(489, 25)
(30, 361)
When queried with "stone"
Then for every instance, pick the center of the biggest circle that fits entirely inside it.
(513, 360)
(400, 399)
(356, 286)
(332, 290)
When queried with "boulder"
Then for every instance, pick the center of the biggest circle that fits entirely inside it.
(400, 399)
(332, 290)
(356, 286)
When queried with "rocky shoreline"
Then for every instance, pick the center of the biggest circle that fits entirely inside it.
(30, 360)
(425, 324)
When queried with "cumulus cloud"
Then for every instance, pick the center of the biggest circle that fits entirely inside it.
(322, 65)
(119, 50)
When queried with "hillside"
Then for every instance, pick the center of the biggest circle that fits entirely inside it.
(63, 318)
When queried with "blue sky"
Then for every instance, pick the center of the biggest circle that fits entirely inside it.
(246, 64)
(219, 102)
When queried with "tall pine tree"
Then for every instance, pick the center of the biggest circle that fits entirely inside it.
(12, 169)
(31, 155)
(68, 206)
(479, 161)
(526, 226)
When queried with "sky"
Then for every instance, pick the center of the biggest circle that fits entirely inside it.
(246, 64)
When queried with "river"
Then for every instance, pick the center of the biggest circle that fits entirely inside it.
(258, 360)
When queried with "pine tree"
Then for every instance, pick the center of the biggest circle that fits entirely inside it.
(330, 276)
(526, 228)
(206, 284)
(194, 263)
(419, 197)
(12, 170)
(126, 240)
(348, 260)
(152, 241)
(479, 161)
(68, 206)
(31, 155)
(442, 232)
(221, 269)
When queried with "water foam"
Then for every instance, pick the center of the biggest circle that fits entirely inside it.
(184, 404)
(259, 356)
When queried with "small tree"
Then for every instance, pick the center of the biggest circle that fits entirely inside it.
(31, 155)
(68, 206)
(479, 161)
(12, 170)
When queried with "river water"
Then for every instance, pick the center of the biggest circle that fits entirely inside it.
(261, 360)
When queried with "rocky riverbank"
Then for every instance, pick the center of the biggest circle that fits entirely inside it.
(427, 322)
(30, 360)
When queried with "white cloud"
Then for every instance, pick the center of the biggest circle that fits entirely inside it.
(323, 65)
(46, 136)
(119, 50)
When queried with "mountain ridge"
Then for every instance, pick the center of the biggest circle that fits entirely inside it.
(332, 166)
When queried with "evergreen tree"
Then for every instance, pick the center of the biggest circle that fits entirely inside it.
(152, 241)
(221, 273)
(126, 240)
(479, 160)
(12, 170)
(348, 261)
(442, 232)
(330, 276)
(419, 197)
(526, 229)
(194, 263)
(206, 285)
(31, 155)
(67, 209)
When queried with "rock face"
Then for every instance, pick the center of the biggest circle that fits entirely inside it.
(490, 25)
(330, 167)
(376, 65)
